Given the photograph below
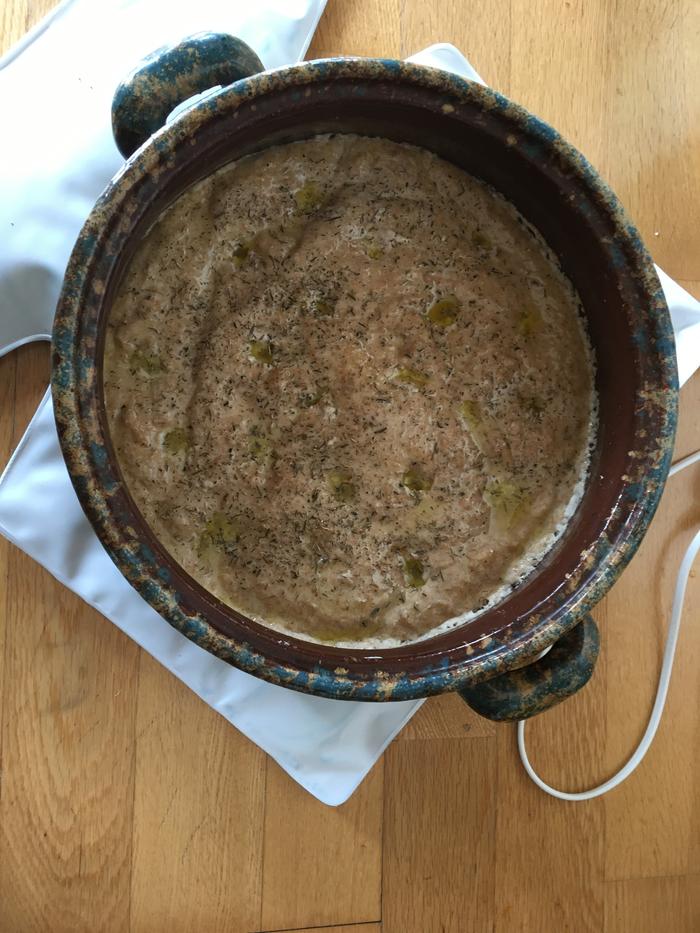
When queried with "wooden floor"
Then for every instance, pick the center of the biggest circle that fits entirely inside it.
(127, 804)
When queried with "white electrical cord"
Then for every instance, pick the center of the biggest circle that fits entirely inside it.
(685, 462)
(664, 678)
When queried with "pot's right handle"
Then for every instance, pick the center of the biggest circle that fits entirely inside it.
(530, 690)
(169, 76)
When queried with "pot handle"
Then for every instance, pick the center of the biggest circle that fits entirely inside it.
(170, 75)
(532, 689)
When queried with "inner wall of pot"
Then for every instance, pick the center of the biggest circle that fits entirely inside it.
(546, 192)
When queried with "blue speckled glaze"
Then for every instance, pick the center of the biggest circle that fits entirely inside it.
(169, 76)
(532, 619)
(520, 694)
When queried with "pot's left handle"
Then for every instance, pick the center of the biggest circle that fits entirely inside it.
(170, 75)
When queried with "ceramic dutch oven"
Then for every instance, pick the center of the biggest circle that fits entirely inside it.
(495, 660)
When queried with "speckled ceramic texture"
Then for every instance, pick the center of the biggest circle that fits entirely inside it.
(520, 694)
(169, 76)
(558, 191)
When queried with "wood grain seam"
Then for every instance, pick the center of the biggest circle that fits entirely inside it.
(262, 845)
(6, 576)
(678, 876)
(381, 839)
(325, 926)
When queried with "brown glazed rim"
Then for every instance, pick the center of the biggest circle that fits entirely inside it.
(544, 606)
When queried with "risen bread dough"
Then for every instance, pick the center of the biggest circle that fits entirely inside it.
(349, 389)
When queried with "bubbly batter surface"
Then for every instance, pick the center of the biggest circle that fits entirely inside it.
(349, 389)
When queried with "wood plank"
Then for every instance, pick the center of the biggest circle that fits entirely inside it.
(446, 717)
(7, 400)
(692, 286)
(358, 27)
(19, 16)
(69, 704)
(439, 839)
(650, 905)
(339, 848)
(198, 814)
(344, 928)
(65, 812)
(13, 23)
(484, 39)
(694, 848)
(653, 164)
(546, 39)
(539, 837)
(686, 445)
(664, 788)
(7, 393)
(690, 39)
